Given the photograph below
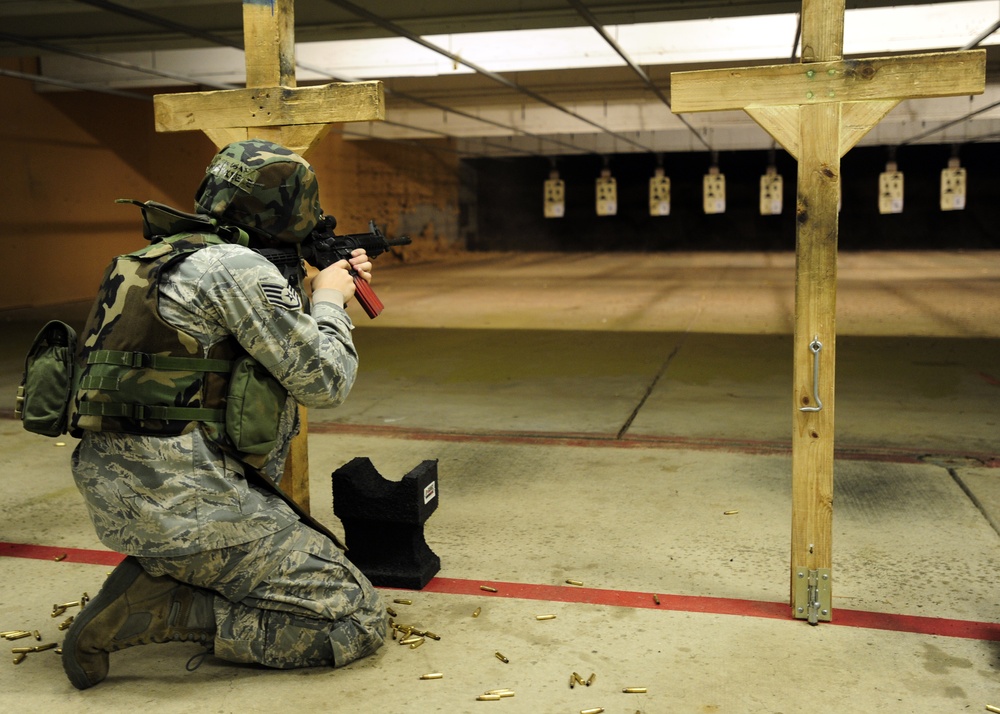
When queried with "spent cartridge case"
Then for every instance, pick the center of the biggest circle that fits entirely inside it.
(578, 583)
(477, 611)
(595, 710)
(432, 675)
(634, 690)
(403, 601)
(501, 658)
(545, 617)
(488, 698)
(487, 588)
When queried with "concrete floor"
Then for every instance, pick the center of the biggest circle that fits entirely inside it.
(594, 418)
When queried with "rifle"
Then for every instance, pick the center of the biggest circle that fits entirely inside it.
(323, 248)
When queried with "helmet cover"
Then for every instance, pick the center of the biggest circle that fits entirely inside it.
(263, 185)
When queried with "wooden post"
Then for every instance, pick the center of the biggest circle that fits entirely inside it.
(272, 108)
(818, 110)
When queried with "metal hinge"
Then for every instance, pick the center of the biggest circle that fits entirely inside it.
(813, 595)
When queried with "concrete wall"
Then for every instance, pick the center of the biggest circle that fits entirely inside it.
(69, 155)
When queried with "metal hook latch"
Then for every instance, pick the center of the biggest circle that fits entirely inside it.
(815, 346)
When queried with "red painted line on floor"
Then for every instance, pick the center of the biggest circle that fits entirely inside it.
(64, 555)
(915, 624)
(615, 598)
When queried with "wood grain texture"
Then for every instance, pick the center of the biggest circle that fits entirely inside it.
(941, 74)
(270, 106)
(269, 43)
(822, 30)
(815, 317)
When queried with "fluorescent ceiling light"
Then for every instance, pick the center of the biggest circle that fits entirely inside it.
(763, 37)
(769, 38)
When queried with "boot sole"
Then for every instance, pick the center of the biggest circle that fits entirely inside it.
(117, 583)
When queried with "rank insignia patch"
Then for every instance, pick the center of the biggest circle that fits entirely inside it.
(281, 295)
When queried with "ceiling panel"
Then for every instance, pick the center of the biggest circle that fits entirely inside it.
(602, 105)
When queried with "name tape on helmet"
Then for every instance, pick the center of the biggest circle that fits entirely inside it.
(235, 172)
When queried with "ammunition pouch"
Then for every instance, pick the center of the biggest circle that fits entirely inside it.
(253, 407)
(250, 416)
(45, 395)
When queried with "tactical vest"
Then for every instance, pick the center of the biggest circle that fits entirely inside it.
(139, 374)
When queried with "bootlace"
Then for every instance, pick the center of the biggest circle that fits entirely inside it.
(196, 659)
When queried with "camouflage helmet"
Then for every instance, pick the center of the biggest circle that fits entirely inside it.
(263, 185)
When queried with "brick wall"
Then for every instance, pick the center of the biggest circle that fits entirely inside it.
(69, 155)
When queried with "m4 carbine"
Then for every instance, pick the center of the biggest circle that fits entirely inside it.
(323, 248)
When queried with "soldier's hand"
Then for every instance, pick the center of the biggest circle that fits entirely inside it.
(337, 276)
(362, 263)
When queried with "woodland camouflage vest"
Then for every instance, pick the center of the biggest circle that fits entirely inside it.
(139, 374)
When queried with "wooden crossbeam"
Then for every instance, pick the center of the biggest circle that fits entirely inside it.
(817, 110)
(270, 106)
(863, 80)
(273, 108)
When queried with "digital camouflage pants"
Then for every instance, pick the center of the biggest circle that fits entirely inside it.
(288, 600)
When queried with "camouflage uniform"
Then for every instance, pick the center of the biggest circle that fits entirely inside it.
(287, 597)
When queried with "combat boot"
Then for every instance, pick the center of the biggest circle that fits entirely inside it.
(134, 608)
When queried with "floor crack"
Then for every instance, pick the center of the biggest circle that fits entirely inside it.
(947, 463)
(649, 390)
(975, 501)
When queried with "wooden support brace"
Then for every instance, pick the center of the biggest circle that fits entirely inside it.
(815, 319)
(817, 110)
